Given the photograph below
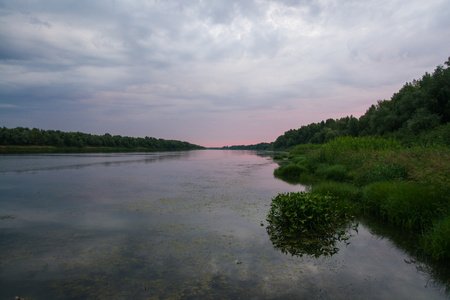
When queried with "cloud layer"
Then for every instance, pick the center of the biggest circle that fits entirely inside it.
(210, 72)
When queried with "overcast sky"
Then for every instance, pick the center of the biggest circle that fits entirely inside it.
(213, 73)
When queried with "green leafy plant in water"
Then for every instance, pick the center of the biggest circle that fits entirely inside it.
(306, 223)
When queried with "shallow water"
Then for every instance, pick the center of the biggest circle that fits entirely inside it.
(178, 225)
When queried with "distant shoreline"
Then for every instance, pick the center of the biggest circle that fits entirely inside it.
(52, 149)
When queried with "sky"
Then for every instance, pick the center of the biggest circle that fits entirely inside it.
(213, 73)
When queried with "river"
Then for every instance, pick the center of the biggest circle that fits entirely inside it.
(176, 225)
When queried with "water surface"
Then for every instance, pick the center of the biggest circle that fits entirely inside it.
(177, 225)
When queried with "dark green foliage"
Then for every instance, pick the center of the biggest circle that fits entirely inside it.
(36, 137)
(336, 172)
(338, 190)
(306, 223)
(405, 185)
(439, 136)
(318, 133)
(436, 241)
(332, 172)
(290, 172)
(386, 172)
(406, 204)
(299, 160)
(260, 146)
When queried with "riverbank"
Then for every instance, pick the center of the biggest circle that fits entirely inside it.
(52, 149)
(404, 185)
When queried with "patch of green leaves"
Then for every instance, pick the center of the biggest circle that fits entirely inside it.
(307, 223)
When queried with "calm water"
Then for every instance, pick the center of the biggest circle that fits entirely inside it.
(183, 225)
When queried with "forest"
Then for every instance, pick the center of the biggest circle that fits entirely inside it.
(21, 136)
(420, 106)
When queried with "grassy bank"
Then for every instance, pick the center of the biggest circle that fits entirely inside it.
(404, 184)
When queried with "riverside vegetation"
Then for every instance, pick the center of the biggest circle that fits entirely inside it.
(392, 163)
(404, 185)
(309, 223)
(20, 139)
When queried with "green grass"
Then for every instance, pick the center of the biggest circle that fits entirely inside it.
(407, 185)
(332, 172)
(405, 204)
(338, 190)
(437, 240)
(290, 173)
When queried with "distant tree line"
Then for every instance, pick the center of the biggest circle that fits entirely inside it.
(260, 146)
(21, 136)
(419, 106)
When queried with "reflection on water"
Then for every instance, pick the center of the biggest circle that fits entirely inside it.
(404, 241)
(179, 225)
(41, 162)
(315, 245)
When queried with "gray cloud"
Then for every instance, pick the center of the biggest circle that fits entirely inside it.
(161, 68)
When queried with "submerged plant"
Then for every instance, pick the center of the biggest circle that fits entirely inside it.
(306, 223)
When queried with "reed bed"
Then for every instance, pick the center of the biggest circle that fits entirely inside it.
(403, 184)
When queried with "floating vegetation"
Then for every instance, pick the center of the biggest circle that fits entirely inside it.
(312, 224)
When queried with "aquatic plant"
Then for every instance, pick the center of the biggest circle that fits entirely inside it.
(307, 223)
